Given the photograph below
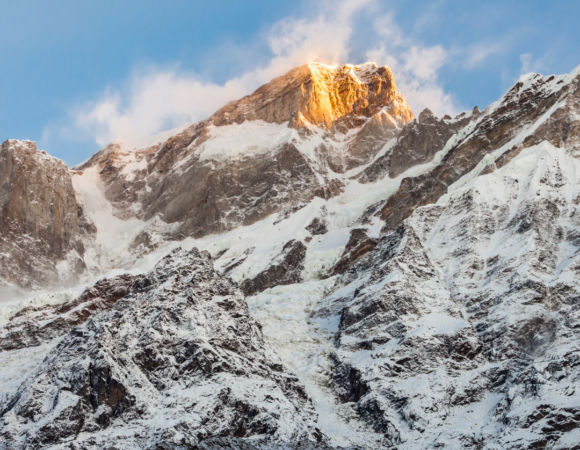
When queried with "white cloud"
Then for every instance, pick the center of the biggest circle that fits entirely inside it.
(157, 100)
(529, 65)
(479, 52)
(160, 100)
(414, 67)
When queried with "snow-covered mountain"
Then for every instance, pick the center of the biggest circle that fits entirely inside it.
(311, 266)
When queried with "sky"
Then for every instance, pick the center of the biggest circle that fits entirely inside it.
(77, 75)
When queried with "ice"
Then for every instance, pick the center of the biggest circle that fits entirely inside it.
(114, 235)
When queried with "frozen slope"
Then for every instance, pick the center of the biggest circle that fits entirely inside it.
(461, 328)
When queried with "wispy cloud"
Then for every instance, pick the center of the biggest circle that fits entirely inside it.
(529, 64)
(415, 68)
(158, 100)
(155, 100)
(478, 53)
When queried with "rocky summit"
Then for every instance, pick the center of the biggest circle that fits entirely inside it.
(311, 267)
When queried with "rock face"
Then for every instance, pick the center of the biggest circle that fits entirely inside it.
(41, 226)
(34, 326)
(458, 329)
(417, 144)
(279, 147)
(178, 360)
(321, 95)
(358, 245)
(501, 126)
(285, 269)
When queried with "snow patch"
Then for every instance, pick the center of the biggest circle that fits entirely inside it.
(249, 138)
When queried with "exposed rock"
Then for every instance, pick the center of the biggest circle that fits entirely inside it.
(369, 140)
(40, 229)
(358, 245)
(221, 196)
(417, 144)
(517, 110)
(321, 95)
(285, 269)
(317, 227)
(33, 326)
(178, 360)
(237, 261)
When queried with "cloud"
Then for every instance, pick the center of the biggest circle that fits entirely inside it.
(479, 52)
(415, 68)
(529, 65)
(159, 100)
(155, 100)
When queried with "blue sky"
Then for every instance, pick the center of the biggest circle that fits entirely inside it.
(75, 75)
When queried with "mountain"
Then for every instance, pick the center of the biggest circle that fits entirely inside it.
(315, 123)
(41, 225)
(310, 267)
(179, 357)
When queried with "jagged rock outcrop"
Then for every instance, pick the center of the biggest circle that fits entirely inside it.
(41, 226)
(459, 328)
(502, 125)
(321, 95)
(358, 245)
(417, 144)
(286, 268)
(319, 225)
(34, 326)
(178, 360)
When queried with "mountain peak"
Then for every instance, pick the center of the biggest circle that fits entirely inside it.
(323, 95)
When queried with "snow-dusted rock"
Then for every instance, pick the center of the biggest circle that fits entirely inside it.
(286, 268)
(177, 361)
(418, 143)
(538, 108)
(419, 278)
(36, 325)
(284, 145)
(460, 329)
